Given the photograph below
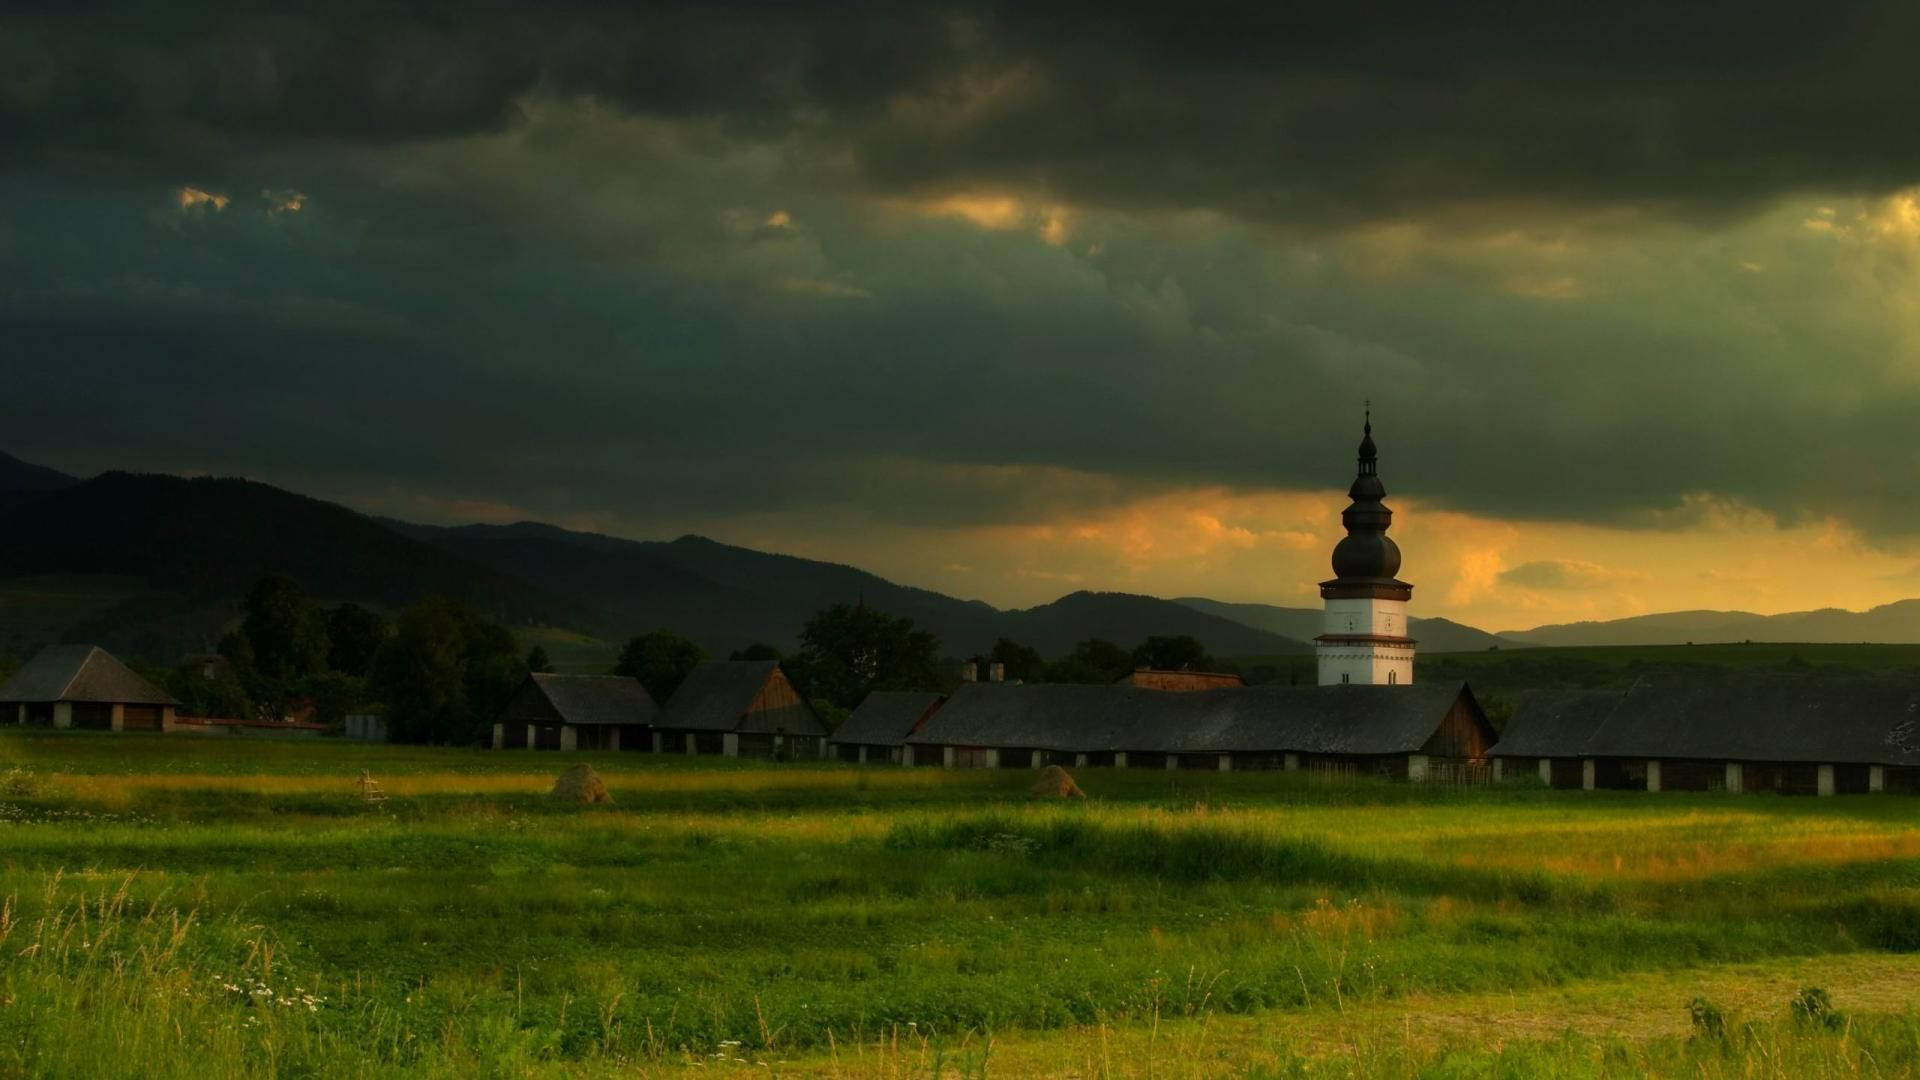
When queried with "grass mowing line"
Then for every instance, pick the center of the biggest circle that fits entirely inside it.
(1398, 1034)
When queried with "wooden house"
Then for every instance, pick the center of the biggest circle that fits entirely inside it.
(878, 729)
(1154, 679)
(740, 708)
(1732, 732)
(84, 686)
(1410, 732)
(577, 712)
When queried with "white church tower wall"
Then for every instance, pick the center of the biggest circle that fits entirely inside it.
(1364, 639)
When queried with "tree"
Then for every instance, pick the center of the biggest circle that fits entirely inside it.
(446, 673)
(537, 661)
(354, 637)
(1094, 660)
(1023, 663)
(849, 650)
(1181, 653)
(286, 635)
(661, 661)
(756, 651)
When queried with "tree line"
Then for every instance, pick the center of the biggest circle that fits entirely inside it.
(440, 672)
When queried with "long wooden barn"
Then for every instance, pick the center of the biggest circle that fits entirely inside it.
(1416, 732)
(878, 730)
(1792, 734)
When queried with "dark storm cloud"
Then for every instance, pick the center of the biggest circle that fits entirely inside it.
(1307, 112)
(662, 264)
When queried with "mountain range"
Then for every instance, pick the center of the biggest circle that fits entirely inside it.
(155, 565)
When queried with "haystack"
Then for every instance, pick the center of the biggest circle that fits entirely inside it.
(1054, 783)
(581, 784)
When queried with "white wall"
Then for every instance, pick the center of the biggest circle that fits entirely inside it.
(1365, 665)
(1361, 615)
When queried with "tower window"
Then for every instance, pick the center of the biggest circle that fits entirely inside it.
(1393, 677)
(1344, 677)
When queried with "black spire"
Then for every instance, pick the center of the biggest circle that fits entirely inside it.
(1367, 554)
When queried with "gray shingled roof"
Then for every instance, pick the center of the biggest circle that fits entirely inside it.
(1741, 716)
(597, 699)
(716, 695)
(80, 673)
(1300, 719)
(886, 717)
(1749, 717)
(1555, 723)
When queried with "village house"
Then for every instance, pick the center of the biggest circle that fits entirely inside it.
(84, 686)
(577, 712)
(1791, 734)
(877, 731)
(740, 708)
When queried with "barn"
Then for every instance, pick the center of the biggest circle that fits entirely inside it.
(1744, 732)
(84, 686)
(878, 729)
(1405, 732)
(1550, 733)
(740, 708)
(577, 712)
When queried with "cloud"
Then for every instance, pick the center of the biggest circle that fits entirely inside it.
(1556, 574)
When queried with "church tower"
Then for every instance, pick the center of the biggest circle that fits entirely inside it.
(1365, 639)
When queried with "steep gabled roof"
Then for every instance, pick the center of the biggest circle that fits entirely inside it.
(81, 673)
(1556, 723)
(717, 695)
(1299, 719)
(597, 699)
(887, 717)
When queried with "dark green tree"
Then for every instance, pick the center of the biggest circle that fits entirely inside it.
(537, 661)
(445, 674)
(1023, 663)
(661, 660)
(354, 637)
(1092, 661)
(849, 650)
(286, 634)
(1181, 653)
(756, 651)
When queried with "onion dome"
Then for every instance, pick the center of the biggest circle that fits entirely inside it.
(1367, 553)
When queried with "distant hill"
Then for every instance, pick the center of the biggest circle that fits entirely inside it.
(1434, 635)
(1895, 623)
(725, 596)
(194, 546)
(21, 480)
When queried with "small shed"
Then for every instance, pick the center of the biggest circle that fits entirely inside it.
(577, 712)
(878, 729)
(740, 708)
(84, 686)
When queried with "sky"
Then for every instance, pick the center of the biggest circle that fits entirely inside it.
(1001, 302)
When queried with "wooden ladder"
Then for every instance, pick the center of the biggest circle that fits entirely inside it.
(370, 788)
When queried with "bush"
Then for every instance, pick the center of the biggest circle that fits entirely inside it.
(1813, 1007)
(1709, 1023)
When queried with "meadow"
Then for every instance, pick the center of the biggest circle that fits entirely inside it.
(212, 907)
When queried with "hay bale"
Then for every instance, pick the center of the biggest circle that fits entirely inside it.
(1054, 783)
(580, 784)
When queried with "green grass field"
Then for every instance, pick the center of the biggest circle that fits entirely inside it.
(213, 907)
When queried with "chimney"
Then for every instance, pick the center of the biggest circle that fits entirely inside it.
(997, 671)
(969, 672)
